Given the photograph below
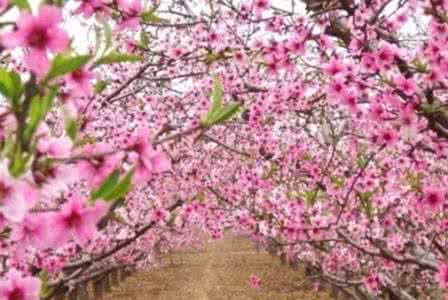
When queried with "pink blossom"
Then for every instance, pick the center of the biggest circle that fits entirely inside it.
(443, 275)
(261, 5)
(89, 7)
(409, 123)
(334, 67)
(147, 160)
(3, 5)
(291, 233)
(373, 283)
(34, 231)
(80, 82)
(433, 197)
(55, 180)
(369, 62)
(76, 221)
(131, 11)
(39, 34)
(12, 201)
(175, 52)
(385, 56)
(18, 287)
(388, 136)
(296, 45)
(406, 85)
(254, 281)
(55, 147)
(351, 100)
(240, 58)
(103, 162)
(131, 45)
(336, 89)
(439, 30)
(160, 215)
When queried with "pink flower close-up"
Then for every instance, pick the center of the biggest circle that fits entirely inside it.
(13, 205)
(80, 82)
(433, 198)
(3, 5)
(15, 286)
(40, 35)
(101, 160)
(443, 275)
(76, 221)
(131, 11)
(147, 160)
(35, 231)
(254, 281)
(304, 142)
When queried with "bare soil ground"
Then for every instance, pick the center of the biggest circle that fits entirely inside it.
(221, 272)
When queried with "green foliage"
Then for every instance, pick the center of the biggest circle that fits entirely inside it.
(219, 113)
(311, 196)
(100, 86)
(63, 64)
(414, 180)
(420, 66)
(19, 162)
(149, 16)
(71, 127)
(39, 107)
(107, 186)
(337, 181)
(107, 36)
(112, 188)
(274, 168)
(45, 290)
(200, 197)
(11, 86)
(22, 4)
(366, 203)
(116, 57)
(144, 39)
(307, 156)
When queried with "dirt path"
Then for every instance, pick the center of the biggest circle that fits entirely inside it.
(221, 272)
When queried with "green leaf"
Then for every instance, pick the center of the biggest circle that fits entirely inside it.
(226, 113)
(218, 113)
(311, 196)
(18, 164)
(116, 57)
(107, 186)
(149, 16)
(366, 203)
(97, 39)
(216, 95)
(100, 86)
(45, 290)
(64, 64)
(420, 66)
(121, 189)
(71, 128)
(39, 108)
(35, 116)
(10, 86)
(22, 4)
(214, 56)
(144, 39)
(47, 101)
(107, 36)
(361, 161)
(337, 181)
(414, 180)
